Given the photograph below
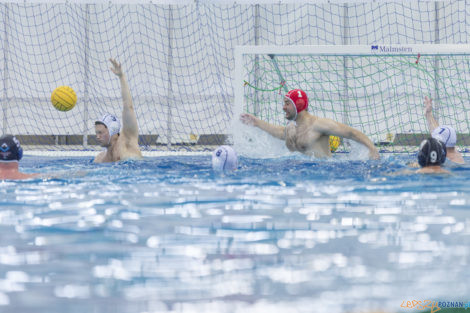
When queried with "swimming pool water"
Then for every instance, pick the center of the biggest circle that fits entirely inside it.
(168, 234)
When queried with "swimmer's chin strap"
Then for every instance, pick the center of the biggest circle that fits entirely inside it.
(295, 108)
(296, 114)
(294, 120)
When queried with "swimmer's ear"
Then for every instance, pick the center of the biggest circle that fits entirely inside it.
(20, 153)
(18, 147)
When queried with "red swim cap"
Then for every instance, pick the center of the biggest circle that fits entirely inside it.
(299, 98)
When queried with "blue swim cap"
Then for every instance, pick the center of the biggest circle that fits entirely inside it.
(10, 149)
(224, 158)
(431, 152)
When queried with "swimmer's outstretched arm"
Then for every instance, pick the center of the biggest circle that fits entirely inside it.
(273, 130)
(432, 123)
(130, 128)
(330, 127)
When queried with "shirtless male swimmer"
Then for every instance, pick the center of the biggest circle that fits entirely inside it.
(309, 134)
(120, 144)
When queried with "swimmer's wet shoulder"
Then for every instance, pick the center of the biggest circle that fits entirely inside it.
(120, 143)
(307, 133)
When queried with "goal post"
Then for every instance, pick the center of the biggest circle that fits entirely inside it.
(180, 78)
(378, 89)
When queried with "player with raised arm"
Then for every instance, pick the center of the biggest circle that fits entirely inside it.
(120, 144)
(444, 133)
(309, 134)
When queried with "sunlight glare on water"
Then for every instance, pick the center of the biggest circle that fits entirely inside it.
(278, 235)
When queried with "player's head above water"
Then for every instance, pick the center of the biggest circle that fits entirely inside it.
(224, 158)
(10, 149)
(432, 152)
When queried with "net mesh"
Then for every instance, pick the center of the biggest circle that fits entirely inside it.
(382, 96)
(179, 61)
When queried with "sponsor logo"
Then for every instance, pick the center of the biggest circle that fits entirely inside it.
(421, 305)
(433, 306)
(4, 147)
(388, 49)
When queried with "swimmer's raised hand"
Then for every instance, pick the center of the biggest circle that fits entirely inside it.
(427, 105)
(116, 69)
(248, 119)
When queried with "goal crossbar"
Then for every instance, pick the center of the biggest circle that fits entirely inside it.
(405, 87)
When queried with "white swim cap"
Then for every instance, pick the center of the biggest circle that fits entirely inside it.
(224, 158)
(446, 134)
(112, 123)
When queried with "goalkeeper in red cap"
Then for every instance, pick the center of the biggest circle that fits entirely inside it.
(309, 134)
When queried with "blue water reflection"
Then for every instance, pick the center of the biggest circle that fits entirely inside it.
(278, 235)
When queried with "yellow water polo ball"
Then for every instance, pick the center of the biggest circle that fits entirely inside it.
(63, 98)
(335, 141)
